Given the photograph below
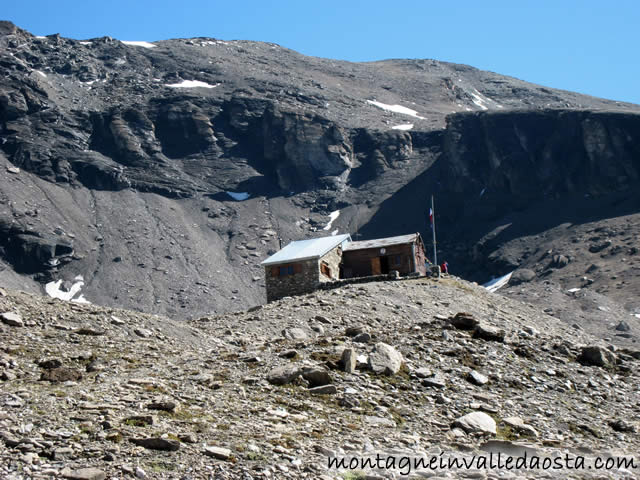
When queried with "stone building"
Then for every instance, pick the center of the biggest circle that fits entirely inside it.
(303, 265)
(405, 254)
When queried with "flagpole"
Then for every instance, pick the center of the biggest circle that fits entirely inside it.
(433, 230)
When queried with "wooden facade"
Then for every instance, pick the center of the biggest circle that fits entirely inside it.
(405, 254)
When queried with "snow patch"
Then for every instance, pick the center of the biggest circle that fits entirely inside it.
(478, 99)
(334, 233)
(396, 109)
(89, 43)
(637, 315)
(497, 283)
(332, 218)
(239, 196)
(42, 74)
(574, 290)
(41, 37)
(73, 295)
(482, 192)
(404, 126)
(191, 84)
(139, 44)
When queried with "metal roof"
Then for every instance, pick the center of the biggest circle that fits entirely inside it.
(381, 242)
(307, 249)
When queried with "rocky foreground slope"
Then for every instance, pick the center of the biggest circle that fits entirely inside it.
(389, 368)
(116, 160)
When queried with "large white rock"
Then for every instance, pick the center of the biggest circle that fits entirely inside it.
(476, 422)
(385, 359)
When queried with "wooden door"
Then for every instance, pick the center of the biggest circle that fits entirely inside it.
(375, 266)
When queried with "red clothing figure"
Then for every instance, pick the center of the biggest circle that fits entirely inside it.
(444, 268)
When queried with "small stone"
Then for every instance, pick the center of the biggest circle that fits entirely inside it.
(92, 332)
(435, 381)
(423, 372)
(166, 406)
(623, 326)
(477, 378)
(296, 334)
(157, 443)
(349, 360)
(218, 452)
(385, 359)
(354, 331)
(83, 474)
(143, 332)
(323, 319)
(289, 354)
(14, 170)
(140, 473)
(476, 422)
(188, 438)
(324, 390)
(362, 338)
(12, 319)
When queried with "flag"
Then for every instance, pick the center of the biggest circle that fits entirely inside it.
(431, 218)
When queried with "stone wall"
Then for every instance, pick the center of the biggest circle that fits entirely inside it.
(306, 278)
(333, 259)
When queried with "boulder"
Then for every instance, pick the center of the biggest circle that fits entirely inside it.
(61, 374)
(83, 474)
(283, 375)
(349, 360)
(12, 319)
(477, 378)
(597, 356)
(324, 390)
(219, 453)
(476, 422)
(157, 443)
(522, 275)
(385, 359)
(295, 334)
(464, 321)
(316, 377)
(488, 332)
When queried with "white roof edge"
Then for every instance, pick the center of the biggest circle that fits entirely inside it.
(339, 239)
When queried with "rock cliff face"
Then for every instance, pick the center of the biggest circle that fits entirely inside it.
(163, 173)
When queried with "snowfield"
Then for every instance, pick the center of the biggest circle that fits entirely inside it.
(191, 84)
(404, 126)
(498, 283)
(395, 109)
(239, 196)
(332, 218)
(139, 44)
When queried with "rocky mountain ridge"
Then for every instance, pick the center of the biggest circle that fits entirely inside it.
(117, 159)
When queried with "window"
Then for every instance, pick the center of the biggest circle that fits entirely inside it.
(287, 270)
(398, 259)
(324, 268)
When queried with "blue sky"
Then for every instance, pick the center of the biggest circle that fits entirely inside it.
(586, 46)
